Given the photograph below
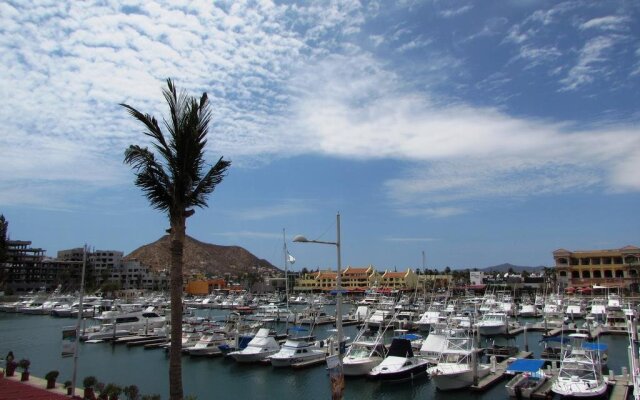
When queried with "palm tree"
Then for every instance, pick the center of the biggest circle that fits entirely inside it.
(175, 183)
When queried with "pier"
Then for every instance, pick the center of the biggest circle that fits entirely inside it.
(499, 373)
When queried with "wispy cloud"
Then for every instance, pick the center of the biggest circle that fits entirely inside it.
(250, 235)
(287, 207)
(608, 23)
(409, 239)
(591, 62)
(454, 12)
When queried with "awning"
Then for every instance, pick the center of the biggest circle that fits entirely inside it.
(409, 336)
(525, 365)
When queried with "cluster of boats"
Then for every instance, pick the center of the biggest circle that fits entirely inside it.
(399, 338)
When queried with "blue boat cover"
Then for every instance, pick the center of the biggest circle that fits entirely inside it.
(409, 336)
(298, 329)
(594, 346)
(525, 365)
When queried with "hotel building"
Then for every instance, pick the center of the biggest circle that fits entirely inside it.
(614, 268)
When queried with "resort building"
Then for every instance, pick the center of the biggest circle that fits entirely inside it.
(357, 279)
(399, 280)
(614, 268)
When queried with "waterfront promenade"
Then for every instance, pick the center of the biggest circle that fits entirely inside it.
(34, 389)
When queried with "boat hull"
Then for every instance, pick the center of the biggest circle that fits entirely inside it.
(454, 376)
(579, 388)
(360, 367)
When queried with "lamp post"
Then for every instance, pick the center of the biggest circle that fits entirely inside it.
(338, 385)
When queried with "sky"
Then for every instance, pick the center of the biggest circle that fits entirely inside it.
(478, 133)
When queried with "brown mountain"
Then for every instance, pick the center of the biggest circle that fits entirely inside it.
(202, 258)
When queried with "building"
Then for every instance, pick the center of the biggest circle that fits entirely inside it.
(101, 263)
(23, 270)
(399, 280)
(356, 279)
(614, 268)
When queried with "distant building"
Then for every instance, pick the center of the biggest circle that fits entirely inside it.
(476, 278)
(24, 271)
(614, 268)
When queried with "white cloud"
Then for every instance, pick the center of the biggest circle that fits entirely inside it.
(610, 23)
(356, 109)
(454, 12)
(591, 63)
(288, 207)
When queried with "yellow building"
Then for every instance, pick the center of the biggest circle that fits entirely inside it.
(359, 278)
(615, 268)
(430, 282)
(399, 280)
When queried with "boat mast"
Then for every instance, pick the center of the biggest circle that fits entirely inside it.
(286, 270)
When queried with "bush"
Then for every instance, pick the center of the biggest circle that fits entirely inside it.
(52, 375)
(89, 381)
(132, 392)
(67, 384)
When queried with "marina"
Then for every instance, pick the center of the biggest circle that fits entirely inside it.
(139, 359)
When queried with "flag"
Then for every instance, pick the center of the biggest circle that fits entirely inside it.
(290, 258)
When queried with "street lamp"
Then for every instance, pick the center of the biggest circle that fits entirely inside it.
(341, 345)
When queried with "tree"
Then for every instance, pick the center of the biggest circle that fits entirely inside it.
(4, 249)
(175, 183)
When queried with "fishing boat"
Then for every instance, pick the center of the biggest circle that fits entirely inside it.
(366, 352)
(400, 363)
(580, 372)
(259, 348)
(299, 350)
(493, 323)
(455, 369)
(207, 345)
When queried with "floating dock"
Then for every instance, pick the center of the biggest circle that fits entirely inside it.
(499, 373)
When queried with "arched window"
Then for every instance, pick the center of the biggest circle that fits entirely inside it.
(619, 273)
(586, 274)
(607, 273)
(597, 274)
(575, 274)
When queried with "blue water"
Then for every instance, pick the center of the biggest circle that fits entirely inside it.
(39, 339)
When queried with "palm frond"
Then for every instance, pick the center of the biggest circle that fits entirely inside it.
(150, 177)
(208, 183)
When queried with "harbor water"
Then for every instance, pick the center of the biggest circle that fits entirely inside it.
(39, 339)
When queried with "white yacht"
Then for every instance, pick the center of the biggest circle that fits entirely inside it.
(493, 323)
(122, 323)
(580, 372)
(455, 369)
(259, 348)
(297, 351)
(206, 346)
(400, 363)
(364, 354)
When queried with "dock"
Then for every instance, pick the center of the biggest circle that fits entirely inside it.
(497, 375)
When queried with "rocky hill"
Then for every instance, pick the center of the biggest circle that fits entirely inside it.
(516, 268)
(203, 258)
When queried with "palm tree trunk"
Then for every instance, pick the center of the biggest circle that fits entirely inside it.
(175, 356)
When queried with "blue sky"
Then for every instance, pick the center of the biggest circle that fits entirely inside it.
(477, 132)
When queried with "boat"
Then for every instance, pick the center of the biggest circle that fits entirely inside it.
(366, 352)
(528, 377)
(580, 372)
(493, 323)
(455, 369)
(206, 346)
(121, 323)
(400, 363)
(259, 348)
(299, 350)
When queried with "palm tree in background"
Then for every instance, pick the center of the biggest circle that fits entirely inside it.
(175, 183)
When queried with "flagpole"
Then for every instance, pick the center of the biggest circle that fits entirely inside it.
(80, 310)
